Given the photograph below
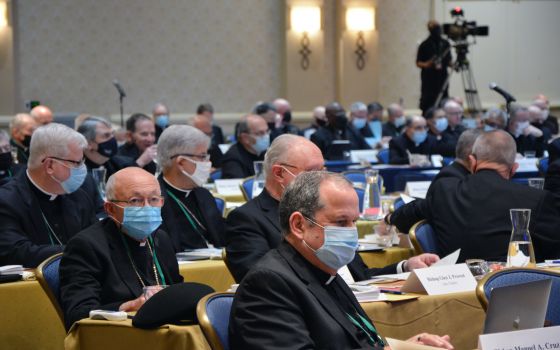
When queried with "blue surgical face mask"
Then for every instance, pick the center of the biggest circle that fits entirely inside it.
(162, 121)
(140, 222)
(400, 121)
(441, 124)
(419, 136)
(489, 128)
(339, 246)
(359, 123)
(261, 143)
(75, 180)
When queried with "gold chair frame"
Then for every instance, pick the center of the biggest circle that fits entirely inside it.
(207, 328)
(412, 235)
(481, 296)
(46, 288)
(245, 194)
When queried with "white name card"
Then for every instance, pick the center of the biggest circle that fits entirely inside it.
(528, 339)
(417, 189)
(438, 280)
(361, 155)
(527, 164)
(229, 187)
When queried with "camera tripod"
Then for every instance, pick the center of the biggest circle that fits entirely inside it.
(462, 65)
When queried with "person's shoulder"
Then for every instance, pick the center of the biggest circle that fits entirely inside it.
(95, 234)
(249, 209)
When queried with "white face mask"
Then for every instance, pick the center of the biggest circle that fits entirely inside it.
(201, 172)
(520, 127)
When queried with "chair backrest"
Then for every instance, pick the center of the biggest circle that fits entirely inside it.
(543, 165)
(213, 316)
(216, 174)
(48, 277)
(383, 156)
(423, 238)
(399, 202)
(247, 188)
(360, 192)
(512, 276)
(221, 204)
(355, 176)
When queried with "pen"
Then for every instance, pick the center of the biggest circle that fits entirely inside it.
(391, 292)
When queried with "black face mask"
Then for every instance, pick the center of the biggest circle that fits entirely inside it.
(26, 141)
(340, 121)
(287, 117)
(321, 122)
(5, 160)
(108, 148)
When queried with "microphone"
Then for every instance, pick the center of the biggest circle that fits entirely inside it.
(505, 94)
(119, 88)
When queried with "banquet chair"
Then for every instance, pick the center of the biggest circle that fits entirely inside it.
(213, 316)
(356, 177)
(247, 188)
(221, 204)
(216, 175)
(48, 277)
(423, 238)
(383, 156)
(543, 165)
(513, 276)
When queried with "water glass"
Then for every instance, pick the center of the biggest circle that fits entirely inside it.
(478, 267)
(98, 176)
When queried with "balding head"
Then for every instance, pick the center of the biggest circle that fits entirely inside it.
(125, 184)
(202, 123)
(494, 150)
(281, 105)
(251, 128)
(42, 115)
(288, 156)
(536, 115)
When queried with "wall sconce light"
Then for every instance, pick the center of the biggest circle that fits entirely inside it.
(305, 20)
(360, 20)
(3, 14)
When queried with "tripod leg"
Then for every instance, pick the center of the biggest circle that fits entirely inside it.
(471, 92)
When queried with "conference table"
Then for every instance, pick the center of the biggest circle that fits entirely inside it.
(458, 315)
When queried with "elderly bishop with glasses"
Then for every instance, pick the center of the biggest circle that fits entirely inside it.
(107, 265)
(43, 207)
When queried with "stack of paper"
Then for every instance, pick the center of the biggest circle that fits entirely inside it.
(366, 293)
(11, 270)
(200, 254)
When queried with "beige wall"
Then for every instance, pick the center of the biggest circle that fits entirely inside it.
(234, 53)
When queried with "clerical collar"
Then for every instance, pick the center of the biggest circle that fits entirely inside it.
(51, 195)
(186, 192)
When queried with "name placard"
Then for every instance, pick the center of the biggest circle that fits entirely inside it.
(228, 187)
(527, 164)
(417, 189)
(528, 339)
(438, 280)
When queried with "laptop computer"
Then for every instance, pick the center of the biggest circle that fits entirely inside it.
(519, 306)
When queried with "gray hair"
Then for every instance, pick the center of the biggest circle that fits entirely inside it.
(451, 104)
(278, 150)
(89, 125)
(303, 195)
(465, 143)
(358, 107)
(110, 188)
(178, 139)
(19, 121)
(495, 146)
(159, 105)
(515, 110)
(52, 140)
(393, 108)
(496, 113)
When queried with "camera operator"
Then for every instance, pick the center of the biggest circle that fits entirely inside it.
(434, 56)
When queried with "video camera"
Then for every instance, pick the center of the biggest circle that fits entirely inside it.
(459, 30)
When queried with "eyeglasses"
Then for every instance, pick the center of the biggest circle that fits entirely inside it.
(260, 133)
(75, 164)
(201, 157)
(153, 201)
